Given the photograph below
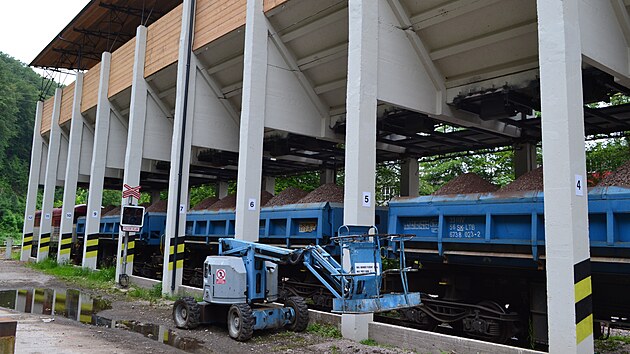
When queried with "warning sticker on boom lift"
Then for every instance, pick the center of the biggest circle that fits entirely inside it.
(220, 276)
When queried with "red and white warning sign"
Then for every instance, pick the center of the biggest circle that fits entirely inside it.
(220, 274)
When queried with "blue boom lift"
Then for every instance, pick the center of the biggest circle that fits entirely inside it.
(241, 283)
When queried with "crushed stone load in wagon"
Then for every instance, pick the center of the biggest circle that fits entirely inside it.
(229, 202)
(466, 184)
(107, 209)
(531, 181)
(159, 206)
(619, 178)
(114, 211)
(205, 204)
(329, 192)
(290, 195)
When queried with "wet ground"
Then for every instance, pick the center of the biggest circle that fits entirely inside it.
(54, 317)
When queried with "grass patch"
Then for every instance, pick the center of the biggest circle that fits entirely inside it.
(95, 279)
(153, 294)
(611, 344)
(624, 339)
(371, 342)
(15, 255)
(324, 330)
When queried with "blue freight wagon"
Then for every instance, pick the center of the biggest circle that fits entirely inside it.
(482, 260)
(505, 223)
(288, 225)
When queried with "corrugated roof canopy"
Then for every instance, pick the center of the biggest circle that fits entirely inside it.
(100, 26)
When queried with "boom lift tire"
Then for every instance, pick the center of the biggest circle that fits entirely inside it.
(186, 313)
(300, 322)
(240, 322)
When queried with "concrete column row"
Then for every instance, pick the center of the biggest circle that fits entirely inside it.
(563, 140)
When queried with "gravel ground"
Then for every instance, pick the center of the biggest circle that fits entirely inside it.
(325, 193)
(65, 336)
(466, 183)
(618, 343)
(290, 195)
(531, 181)
(619, 178)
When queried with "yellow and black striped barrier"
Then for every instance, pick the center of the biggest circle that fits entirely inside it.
(180, 253)
(583, 300)
(131, 245)
(28, 241)
(65, 243)
(91, 246)
(44, 242)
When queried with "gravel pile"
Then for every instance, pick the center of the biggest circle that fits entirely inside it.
(114, 211)
(465, 184)
(619, 178)
(531, 181)
(265, 197)
(290, 195)
(206, 203)
(325, 193)
(107, 209)
(159, 206)
(229, 202)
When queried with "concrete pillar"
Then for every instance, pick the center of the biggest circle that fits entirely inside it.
(33, 185)
(269, 184)
(409, 181)
(327, 175)
(72, 174)
(360, 171)
(222, 189)
(180, 157)
(97, 170)
(8, 248)
(569, 300)
(135, 143)
(50, 181)
(524, 158)
(252, 123)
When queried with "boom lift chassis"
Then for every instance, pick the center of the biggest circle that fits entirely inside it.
(241, 283)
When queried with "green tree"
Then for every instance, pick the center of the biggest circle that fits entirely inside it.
(19, 92)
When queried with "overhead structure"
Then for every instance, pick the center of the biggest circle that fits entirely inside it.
(244, 91)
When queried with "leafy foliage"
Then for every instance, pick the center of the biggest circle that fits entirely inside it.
(19, 92)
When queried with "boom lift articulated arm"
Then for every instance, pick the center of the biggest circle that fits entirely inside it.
(241, 283)
(355, 282)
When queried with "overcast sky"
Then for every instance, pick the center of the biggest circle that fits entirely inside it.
(27, 26)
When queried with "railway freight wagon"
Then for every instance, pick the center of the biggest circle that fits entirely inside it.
(482, 260)
(290, 225)
(55, 216)
(147, 242)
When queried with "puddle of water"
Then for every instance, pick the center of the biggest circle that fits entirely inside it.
(74, 305)
(70, 303)
(162, 334)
